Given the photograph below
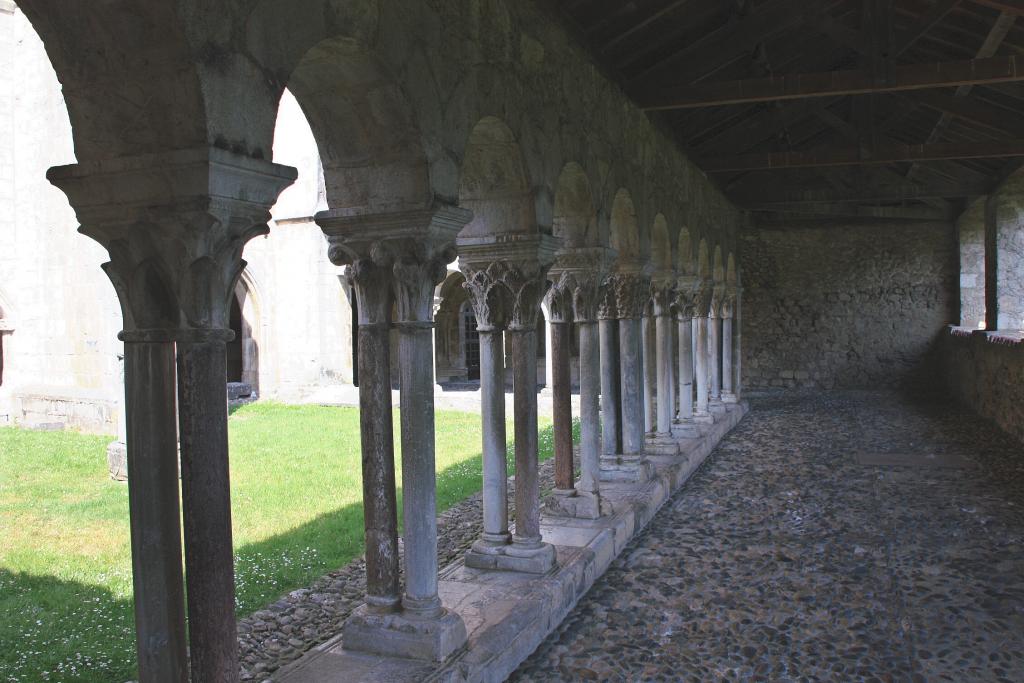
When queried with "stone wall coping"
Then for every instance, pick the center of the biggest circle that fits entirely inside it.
(1005, 338)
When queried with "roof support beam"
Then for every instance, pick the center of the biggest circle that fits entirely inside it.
(860, 156)
(1015, 7)
(854, 211)
(764, 197)
(833, 83)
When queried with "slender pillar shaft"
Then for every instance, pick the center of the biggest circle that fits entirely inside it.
(727, 352)
(154, 514)
(590, 388)
(206, 502)
(524, 386)
(377, 434)
(666, 397)
(715, 357)
(492, 394)
(701, 362)
(631, 374)
(419, 481)
(650, 372)
(611, 431)
(561, 339)
(685, 368)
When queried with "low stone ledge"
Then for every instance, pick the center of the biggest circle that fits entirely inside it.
(508, 614)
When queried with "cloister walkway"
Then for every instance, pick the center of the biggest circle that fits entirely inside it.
(800, 552)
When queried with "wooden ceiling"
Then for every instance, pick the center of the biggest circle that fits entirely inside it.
(809, 108)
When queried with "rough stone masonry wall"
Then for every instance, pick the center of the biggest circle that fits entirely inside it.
(845, 306)
(986, 372)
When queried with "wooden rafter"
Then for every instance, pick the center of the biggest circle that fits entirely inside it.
(832, 83)
(859, 156)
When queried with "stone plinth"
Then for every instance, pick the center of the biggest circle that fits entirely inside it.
(403, 635)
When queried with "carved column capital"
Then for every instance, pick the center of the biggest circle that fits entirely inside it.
(663, 296)
(490, 298)
(174, 225)
(518, 263)
(702, 299)
(560, 298)
(417, 245)
(632, 293)
(717, 301)
(685, 298)
(728, 309)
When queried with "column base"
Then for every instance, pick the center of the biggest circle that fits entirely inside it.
(583, 505)
(629, 468)
(117, 460)
(730, 397)
(512, 557)
(402, 635)
(704, 418)
(662, 444)
(686, 429)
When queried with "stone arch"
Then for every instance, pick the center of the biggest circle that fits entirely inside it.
(369, 142)
(661, 245)
(494, 184)
(575, 219)
(730, 269)
(250, 335)
(684, 253)
(624, 229)
(718, 268)
(703, 260)
(450, 359)
(128, 76)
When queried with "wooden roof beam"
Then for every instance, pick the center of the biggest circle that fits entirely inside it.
(765, 196)
(833, 83)
(1015, 7)
(860, 156)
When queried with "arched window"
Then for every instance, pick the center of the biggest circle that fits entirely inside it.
(472, 342)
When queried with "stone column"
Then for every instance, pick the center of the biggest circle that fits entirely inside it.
(608, 331)
(650, 371)
(715, 348)
(152, 451)
(559, 322)
(685, 425)
(175, 226)
(519, 264)
(492, 305)
(549, 360)
(417, 244)
(369, 274)
(728, 310)
(577, 276)
(700, 334)
(663, 296)
(632, 291)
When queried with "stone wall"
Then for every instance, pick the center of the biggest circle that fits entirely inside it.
(985, 371)
(971, 229)
(837, 306)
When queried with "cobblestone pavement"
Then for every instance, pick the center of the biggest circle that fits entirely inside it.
(786, 559)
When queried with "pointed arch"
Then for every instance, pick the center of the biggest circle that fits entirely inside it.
(661, 245)
(624, 227)
(684, 253)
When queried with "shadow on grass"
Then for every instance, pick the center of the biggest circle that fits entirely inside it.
(61, 630)
(58, 630)
(274, 566)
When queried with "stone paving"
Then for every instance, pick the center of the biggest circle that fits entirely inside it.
(786, 559)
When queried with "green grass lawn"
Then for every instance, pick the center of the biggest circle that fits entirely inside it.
(65, 565)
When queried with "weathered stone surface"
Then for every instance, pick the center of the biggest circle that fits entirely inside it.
(985, 372)
(783, 559)
(857, 306)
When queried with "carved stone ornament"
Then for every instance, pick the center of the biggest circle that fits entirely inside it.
(560, 298)
(702, 299)
(606, 309)
(174, 225)
(729, 303)
(417, 245)
(685, 299)
(663, 296)
(489, 296)
(632, 292)
(717, 298)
